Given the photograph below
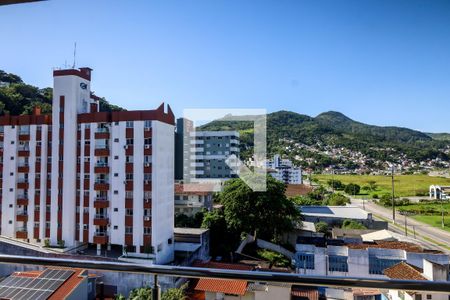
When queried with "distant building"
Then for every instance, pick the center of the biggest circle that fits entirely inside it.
(284, 171)
(321, 257)
(202, 154)
(438, 192)
(336, 215)
(192, 198)
(51, 283)
(405, 271)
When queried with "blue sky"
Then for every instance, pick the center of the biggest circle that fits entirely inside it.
(380, 62)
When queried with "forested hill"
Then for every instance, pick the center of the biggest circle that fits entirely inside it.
(333, 130)
(18, 98)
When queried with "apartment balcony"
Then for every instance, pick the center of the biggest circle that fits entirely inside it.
(102, 133)
(100, 238)
(147, 222)
(101, 150)
(101, 220)
(23, 152)
(21, 233)
(101, 168)
(24, 136)
(22, 217)
(101, 202)
(22, 200)
(101, 185)
(23, 184)
(23, 168)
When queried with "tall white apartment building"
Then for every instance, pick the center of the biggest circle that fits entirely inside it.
(83, 176)
(284, 171)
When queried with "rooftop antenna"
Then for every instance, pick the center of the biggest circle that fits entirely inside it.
(74, 55)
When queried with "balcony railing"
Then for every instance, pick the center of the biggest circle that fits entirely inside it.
(101, 147)
(102, 129)
(427, 287)
(102, 181)
(101, 164)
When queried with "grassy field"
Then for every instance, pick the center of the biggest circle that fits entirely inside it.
(405, 185)
(434, 221)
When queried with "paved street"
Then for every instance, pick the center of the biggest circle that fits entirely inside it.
(436, 237)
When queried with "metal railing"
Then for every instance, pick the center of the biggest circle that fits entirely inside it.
(253, 276)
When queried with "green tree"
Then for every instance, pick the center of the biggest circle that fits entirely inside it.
(222, 240)
(352, 224)
(144, 293)
(175, 293)
(269, 214)
(322, 227)
(352, 189)
(336, 184)
(337, 199)
(372, 185)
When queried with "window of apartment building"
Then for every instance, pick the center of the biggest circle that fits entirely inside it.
(147, 176)
(147, 195)
(86, 210)
(116, 123)
(47, 225)
(116, 227)
(12, 157)
(147, 141)
(306, 261)
(130, 124)
(36, 224)
(87, 159)
(130, 142)
(87, 142)
(147, 230)
(116, 174)
(147, 159)
(85, 226)
(129, 194)
(37, 207)
(116, 209)
(12, 142)
(337, 263)
(129, 158)
(116, 157)
(116, 140)
(147, 212)
(129, 212)
(128, 230)
(86, 176)
(129, 176)
(86, 193)
(147, 124)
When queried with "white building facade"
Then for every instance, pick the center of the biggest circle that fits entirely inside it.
(83, 176)
(283, 170)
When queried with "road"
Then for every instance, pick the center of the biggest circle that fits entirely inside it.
(425, 233)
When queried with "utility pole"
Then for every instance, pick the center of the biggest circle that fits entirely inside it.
(406, 225)
(393, 195)
(442, 212)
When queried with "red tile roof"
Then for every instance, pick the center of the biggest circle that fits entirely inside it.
(235, 287)
(201, 189)
(404, 271)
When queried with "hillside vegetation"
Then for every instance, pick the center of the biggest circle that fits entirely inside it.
(335, 130)
(19, 98)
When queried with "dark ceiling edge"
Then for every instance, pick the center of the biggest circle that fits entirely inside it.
(9, 2)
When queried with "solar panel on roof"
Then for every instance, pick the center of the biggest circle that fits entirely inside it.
(40, 288)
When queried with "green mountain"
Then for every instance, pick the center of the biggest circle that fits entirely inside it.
(334, 130)
(18, 98)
